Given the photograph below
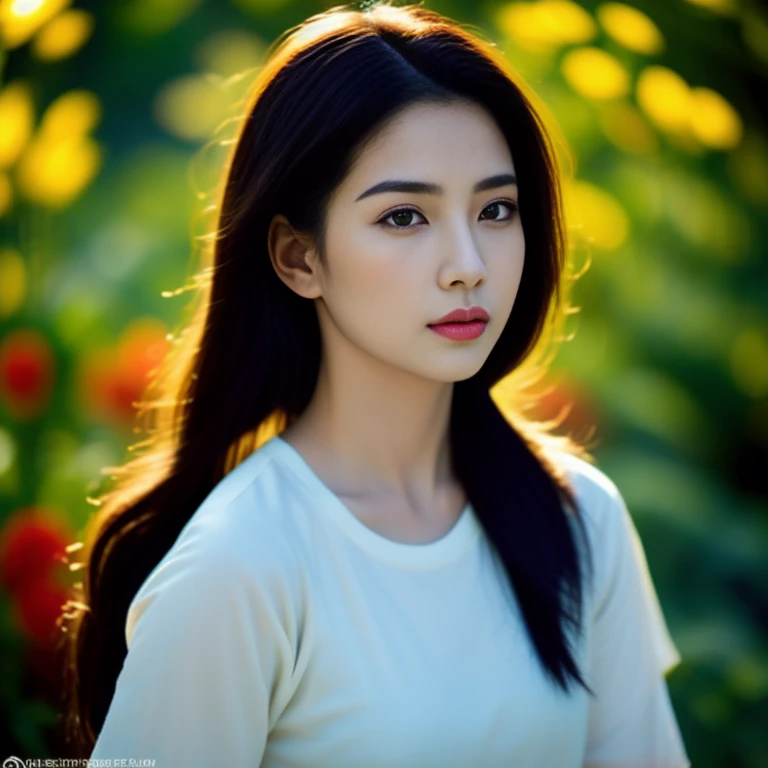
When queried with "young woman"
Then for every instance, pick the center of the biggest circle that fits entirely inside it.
(337, 549)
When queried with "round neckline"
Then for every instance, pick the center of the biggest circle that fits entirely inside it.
(457, 540)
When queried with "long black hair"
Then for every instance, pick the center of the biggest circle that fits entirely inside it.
(245, 365)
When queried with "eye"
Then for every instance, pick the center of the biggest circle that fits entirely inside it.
(494, 206)
(397, 216)
(402, 218)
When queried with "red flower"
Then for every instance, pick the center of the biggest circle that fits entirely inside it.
(38, 605)
(570, 405)
(27, 369)
(113, 380)
(32, 544)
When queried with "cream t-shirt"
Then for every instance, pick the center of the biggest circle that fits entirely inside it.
(280, 631)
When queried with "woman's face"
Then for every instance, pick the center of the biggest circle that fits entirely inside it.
(400, 260)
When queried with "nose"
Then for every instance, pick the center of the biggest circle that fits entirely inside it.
(462, 262)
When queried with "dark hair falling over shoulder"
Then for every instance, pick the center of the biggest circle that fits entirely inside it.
(246, 364)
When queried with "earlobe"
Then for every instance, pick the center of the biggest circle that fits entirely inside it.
(293, 258)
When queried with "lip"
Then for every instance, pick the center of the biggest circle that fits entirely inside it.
(462, 315)
(460, 331)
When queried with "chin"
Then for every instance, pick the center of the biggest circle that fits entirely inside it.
(452, 374)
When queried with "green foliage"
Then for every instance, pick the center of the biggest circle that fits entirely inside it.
(670, 354)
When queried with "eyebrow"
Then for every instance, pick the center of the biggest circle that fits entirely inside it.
(428, 188)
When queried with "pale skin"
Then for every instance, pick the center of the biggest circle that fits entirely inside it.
(376, 429)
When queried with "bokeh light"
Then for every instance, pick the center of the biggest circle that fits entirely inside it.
(116, 122)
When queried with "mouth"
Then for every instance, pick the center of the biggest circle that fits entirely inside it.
(460, 331)
(462, 316)
(458, 322)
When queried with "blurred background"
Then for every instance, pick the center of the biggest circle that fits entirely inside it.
(111, 116)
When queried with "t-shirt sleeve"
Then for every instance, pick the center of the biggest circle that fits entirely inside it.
(208, 668)
(631, 720)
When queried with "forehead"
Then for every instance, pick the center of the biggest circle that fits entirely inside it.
(433, 142)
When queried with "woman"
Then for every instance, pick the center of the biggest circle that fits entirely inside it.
(337, 550)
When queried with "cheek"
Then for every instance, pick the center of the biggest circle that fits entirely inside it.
(509, 264)
(372, 275)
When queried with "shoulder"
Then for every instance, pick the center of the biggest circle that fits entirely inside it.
(240, 544)
(610, 530)
(598, 497)
(247, 517)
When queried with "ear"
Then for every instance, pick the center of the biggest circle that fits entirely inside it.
(293, 258)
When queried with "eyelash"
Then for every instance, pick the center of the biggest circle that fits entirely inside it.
(383, 220)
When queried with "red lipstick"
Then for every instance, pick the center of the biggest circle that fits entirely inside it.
(461, 324)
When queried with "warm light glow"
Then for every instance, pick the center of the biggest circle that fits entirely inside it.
(230, 52)
(630, 27)
(665, 97)
(718, 6)
(54, 171)
(61, 160)
(713, 120)
(546, 25)
(20, 19)
(22, 8)
(72, 114)
(17, 116)
(192, 107)
(595, 73)
(63, 36)
(594, 216)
